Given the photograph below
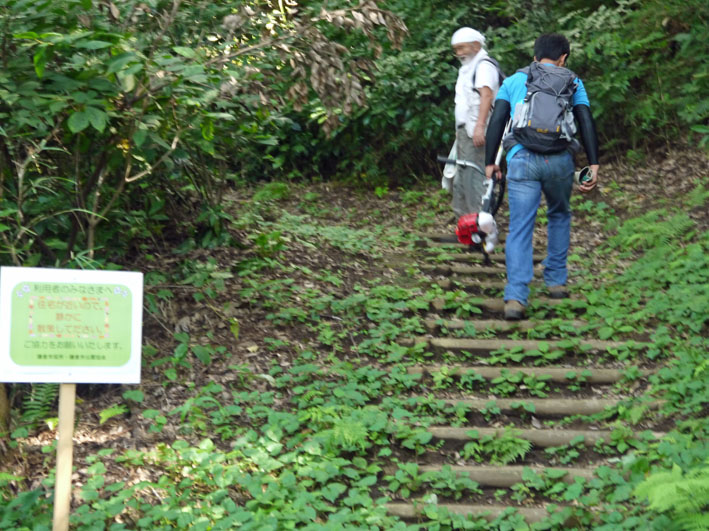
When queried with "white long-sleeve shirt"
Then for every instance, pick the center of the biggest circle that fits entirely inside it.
(467, 100)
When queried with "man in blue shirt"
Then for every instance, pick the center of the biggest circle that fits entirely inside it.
(530, 173)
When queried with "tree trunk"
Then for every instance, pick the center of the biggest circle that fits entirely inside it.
(4, 410)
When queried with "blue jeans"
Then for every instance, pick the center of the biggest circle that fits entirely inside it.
(529, 175)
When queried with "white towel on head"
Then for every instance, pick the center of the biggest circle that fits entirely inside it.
(466, 34)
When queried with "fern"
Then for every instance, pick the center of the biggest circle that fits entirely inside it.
(685, 496)
(651, 230)
(273, 191)
(349, 435)
(38, 404)
(350, 429)
(697, 197)
(694, 522)
(500, 449)
(507, 448)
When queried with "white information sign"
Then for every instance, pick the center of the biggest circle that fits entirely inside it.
(70, 326)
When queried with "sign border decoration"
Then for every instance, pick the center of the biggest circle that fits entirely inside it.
(125, 284)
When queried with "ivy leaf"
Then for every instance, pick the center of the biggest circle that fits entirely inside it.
(134, 394)
(78, 122)
(332, 490)
(40, 59)
(573, 492)
(203, 354)
(605, 332)
(127, 81)
(93, 45)
(553, 473)
(97, 118)
(622, 493)
(185, 52)
(119, 62)
(5, 478)
(208, 130)
(139, 137)
(234, 326)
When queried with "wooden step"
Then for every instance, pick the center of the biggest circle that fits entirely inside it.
(543, 438)
(461, 252)
(542, 406)
(447, 237)
(485, 346)
(472, 283)
(455, 245)
(480, 283)
(555, 374)
(506, 476)
(448, 269)
(497, 325)
(497, 304)
(456, 255)
(448, 243)
(490, 512)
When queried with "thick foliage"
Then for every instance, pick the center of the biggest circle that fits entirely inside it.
(129, 112)
(644, 64)
(117, 111)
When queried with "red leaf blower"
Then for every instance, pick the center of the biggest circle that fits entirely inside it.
(478, 230)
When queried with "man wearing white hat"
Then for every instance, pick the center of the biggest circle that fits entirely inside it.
(475, 91)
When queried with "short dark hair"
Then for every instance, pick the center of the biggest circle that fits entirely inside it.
(551, 46)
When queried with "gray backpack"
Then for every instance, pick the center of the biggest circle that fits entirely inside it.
(544, 122)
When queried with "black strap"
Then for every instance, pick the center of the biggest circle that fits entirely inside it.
(501, 194)
(490, 60)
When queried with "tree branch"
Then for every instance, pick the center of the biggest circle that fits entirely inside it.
(143, 173)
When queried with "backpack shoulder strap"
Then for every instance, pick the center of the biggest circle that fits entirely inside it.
(524, 71)
(531, 71)
(572, 83)
(493, 62)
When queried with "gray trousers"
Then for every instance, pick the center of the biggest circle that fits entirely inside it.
(469, 183)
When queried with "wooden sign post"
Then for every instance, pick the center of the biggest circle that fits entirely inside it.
(65, 455)
(69, 326)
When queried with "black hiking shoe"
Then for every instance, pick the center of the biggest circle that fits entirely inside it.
(558, 292)
(514, 311)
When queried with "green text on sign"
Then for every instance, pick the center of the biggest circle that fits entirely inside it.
(70, 325)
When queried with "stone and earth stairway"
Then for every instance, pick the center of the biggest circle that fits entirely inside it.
(578, 381)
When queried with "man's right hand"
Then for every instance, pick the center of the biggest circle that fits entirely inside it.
(493, 171)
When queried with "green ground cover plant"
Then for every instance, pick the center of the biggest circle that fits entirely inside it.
(312, 442)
